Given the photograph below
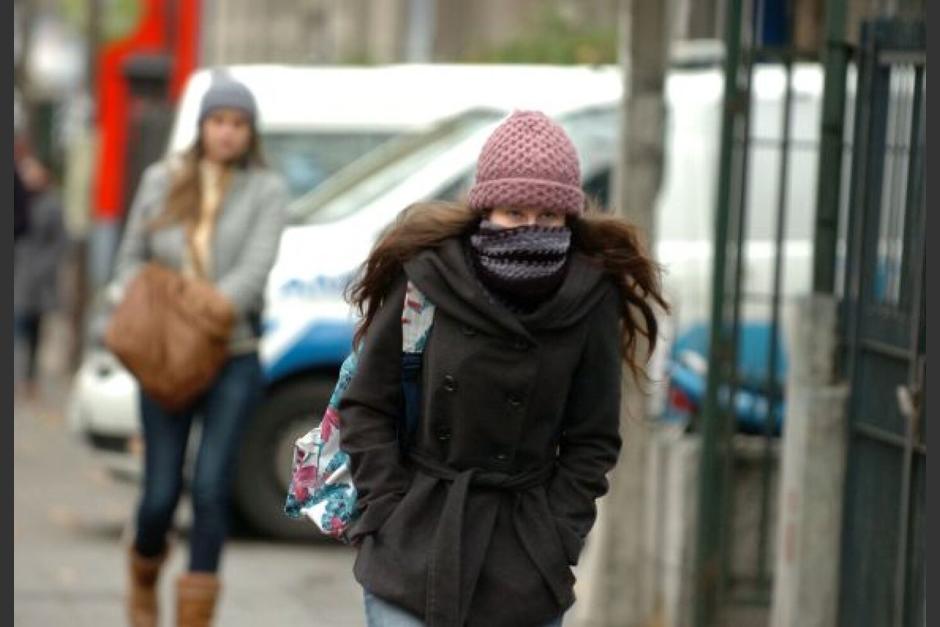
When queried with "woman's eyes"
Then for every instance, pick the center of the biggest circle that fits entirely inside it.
(219, 120)
(545, 217)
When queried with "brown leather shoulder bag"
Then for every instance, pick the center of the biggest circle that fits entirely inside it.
(172, 333)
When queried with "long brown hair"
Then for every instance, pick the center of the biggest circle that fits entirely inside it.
(184, 198)
(607, 241)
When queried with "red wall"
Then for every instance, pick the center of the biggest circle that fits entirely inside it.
(154, 34)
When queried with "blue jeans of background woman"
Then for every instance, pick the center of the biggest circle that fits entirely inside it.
(225, 409)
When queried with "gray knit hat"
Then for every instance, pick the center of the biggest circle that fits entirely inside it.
(227, 92)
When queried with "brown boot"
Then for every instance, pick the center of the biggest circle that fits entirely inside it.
(142, 596)
(196, 595)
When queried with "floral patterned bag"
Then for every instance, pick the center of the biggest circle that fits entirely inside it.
(321, 486)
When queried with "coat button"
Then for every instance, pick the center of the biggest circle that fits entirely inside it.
(443, 434)
(450, 383)
(502, 456)
(468, 330)
(515, 401)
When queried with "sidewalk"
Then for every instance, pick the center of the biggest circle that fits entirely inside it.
(69, 520)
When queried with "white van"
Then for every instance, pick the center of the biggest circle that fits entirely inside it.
(368, 194)
(307, 324)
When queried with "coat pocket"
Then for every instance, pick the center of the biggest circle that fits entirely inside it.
(570, 541)
(554, 545)
(401, 509)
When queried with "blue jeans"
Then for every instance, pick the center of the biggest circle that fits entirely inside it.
(381, 613)
(225, 410)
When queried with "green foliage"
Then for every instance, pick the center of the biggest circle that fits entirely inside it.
(118, 18)
(554, 40)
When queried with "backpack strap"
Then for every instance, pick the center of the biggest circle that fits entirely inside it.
(416, 318)
(346, 372)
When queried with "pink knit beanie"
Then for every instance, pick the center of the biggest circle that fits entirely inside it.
(528, 161)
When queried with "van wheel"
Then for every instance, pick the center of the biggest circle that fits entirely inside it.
(264, 465)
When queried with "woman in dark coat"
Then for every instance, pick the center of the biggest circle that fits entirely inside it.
(537, 308)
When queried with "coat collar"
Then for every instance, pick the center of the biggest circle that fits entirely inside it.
(446, 276)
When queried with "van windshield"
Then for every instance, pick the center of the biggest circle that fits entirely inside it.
(307, 159)
(373, 175)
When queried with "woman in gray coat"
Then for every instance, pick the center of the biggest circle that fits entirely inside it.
(215, 212)
(537, 308)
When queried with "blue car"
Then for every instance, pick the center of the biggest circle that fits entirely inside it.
(688, 374)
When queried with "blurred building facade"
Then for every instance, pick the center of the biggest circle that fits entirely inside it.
(393, 31)
(383, 31)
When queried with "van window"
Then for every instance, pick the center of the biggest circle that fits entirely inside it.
(307, 159)
(369, 178)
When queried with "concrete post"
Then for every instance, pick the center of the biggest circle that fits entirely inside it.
(806, 583)
(618, 568)
(677, 488)
(615, 576)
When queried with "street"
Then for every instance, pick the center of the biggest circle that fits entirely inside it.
(69, 524)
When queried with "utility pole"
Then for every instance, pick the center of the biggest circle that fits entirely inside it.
(644, 57)
(620, 567)
(78, 268)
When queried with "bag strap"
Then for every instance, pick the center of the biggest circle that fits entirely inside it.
(195, 259)
(417, 316)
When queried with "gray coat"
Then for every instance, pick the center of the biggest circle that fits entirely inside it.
(37, 255)
(244, 244)
(481, 522)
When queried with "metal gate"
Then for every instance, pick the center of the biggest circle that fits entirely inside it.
(876, 263)
(883, 577)
(729, 590)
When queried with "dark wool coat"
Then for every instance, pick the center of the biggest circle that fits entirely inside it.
(482, 521)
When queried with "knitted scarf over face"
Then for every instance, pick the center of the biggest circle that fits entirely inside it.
(521, 266)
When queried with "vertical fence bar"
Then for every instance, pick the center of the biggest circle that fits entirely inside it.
(737, 226)
(856, 205)
(852, 299)
(709, 523)
(910, 421)
(830, 152)
(915, 168)
(871, 106)
(782, 196)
